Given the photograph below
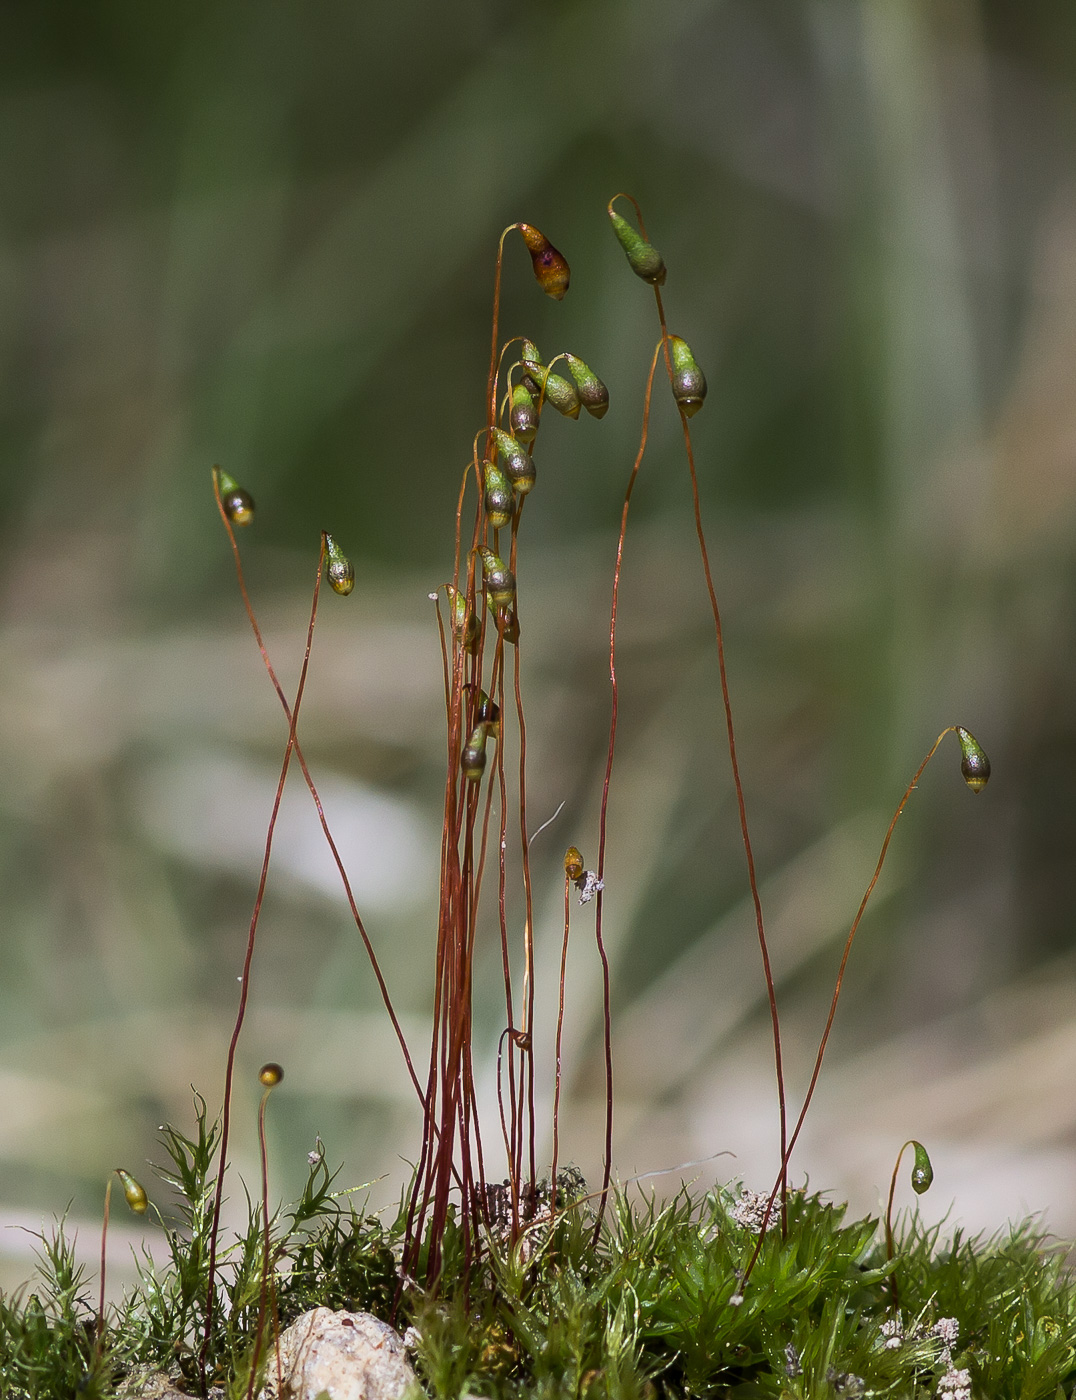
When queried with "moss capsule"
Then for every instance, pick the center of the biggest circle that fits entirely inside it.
(518, 463)
(688, 381)
(500, 581)
(550, 266)
(340, 573)
(507, 622)
(238, 504)
(643, 258)
(473, 757)
(133, 1193)
(488, 712)
(593, 394)
(465, 627)
(557, 390)
(974, 764)
(523, 418)
(922, 1171)
(499, 498)
(573, 864)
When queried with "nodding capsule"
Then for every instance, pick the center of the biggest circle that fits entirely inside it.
(550, 266)
(271, 1074)
(465, 625)
(488, 712)
(523, 418)
(499, 498)
(473, 757)
(974, 764)
(238, 504)
(506, 620)
(922, 1171)
(518, 464)
(643, 258)
(500, 581)
(560, 392)
(593, 394)
(573, 864)
(688, 381)
(133, 1193)
(340, 573)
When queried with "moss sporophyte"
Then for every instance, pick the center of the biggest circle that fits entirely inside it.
(515, 1276)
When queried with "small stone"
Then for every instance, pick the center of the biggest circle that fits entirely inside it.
(349, 1356)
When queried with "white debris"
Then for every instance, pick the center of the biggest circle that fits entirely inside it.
(345, 1355)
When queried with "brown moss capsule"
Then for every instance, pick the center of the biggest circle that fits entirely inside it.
(593, 394)
(922, 1171)
(550, 266)
(473, 757)
(238, 504)
(271, 1074)
(974, 764)
(133, 1193)
(573, 864)
(518, 463)
(340, 572)
(523, 418)
(555, 389)
(688, 381)
(500, 581)
(643, 258)
(499, 498)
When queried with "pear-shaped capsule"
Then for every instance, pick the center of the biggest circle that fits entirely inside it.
(499, 498)
(500, 581)
(573, 864)
(688, 381)
(340, 572)
(555, 389)
(974, 764)
(593, 394)
(505, 619)
(523, 418)
(238, 504)
(465, 625)
(643, 258)
(473, 757)
(518, 463)
(271, 1074)
(922, 1171)
(488, 712)
(133, 1193)
(550, 266)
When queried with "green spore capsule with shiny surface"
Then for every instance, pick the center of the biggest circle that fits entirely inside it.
(688, 381)
(593, 394)
(505, 620)
(488, 712)
(340, 572)
(922, 1171)
(499, 498)
(465, 624)
(238, 504)
(558, 391)
(500, 581)
(643, 258)
(974, 764)
(523, 417)
(550, 265)
(473, 757)
(518, 463)
(133, 1193)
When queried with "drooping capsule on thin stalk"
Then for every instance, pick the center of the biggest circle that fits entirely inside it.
(499, 498)
(237, 504)
(974, 764)
(473, 757)
(643, 258)
(922, 1171)
(505, 619)
(555, 389)
(550, 266)
(523, 417)
(530, 354)
(593, 394)
(688, 380)
(922, 1177)
(270, 1076)
(500, 581)
(518, 463)
(488, 712)
(341, 571)
(135, 1196)
(465, 624)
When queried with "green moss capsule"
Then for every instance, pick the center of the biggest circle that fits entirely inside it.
(473, 757)
(922, 1171)
(643, 258)
(593, 394)
(238, 504)
(499, 498)
(489, 713)
(688, 381)
(133, 1193)
(506, 621)
(465, 626)
(974, 764)
(573, 864)
(271, 1074)
(523, 418)
(518, 464)
(555, 389)
(340, 572)
(550, 266)
(500, 581)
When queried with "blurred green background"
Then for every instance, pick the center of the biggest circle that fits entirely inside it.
(263, 235)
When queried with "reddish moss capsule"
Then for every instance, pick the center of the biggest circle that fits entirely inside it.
(271, 1074)
(500, 581)
(974, 764)
(238, 504)
(523, 418)
(688, 381)
(643, 258)
(573, 864)
(473, 757)
(593, 394)
(133, 1192)
(340, 573)
(550, 266)
(518, 463)
(922, 1171)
